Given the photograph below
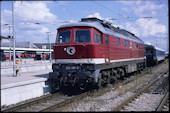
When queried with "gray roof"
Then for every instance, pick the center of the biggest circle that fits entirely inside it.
(27, 45)
(106, 28)
(40, 45)
(19, 45)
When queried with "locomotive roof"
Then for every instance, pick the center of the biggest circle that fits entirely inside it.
(104, 27)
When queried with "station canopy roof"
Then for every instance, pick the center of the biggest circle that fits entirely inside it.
(19, 45)
(5, 45)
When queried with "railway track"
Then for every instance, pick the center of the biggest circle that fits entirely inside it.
(52, 108)
(50, 103)
(141, 101)
(45, 103)
(164, 103)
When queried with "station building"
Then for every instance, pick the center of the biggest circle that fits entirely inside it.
(38, 51)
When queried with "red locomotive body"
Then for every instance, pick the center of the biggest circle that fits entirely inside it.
(93, 51)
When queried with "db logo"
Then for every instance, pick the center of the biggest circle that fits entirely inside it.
(71, 50)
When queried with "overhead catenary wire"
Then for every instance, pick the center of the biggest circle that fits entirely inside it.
(121, 18)
(66, 9)
(28, 19)
(146, 17)
(24, 18)
(35, 21)
(110, 9)
(163, 6)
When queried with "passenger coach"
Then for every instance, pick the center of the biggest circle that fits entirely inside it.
(94, 51)
(154, 55)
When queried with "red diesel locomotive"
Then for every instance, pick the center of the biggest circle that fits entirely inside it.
(94, 52)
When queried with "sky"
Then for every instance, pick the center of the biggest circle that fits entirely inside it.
(147, 19)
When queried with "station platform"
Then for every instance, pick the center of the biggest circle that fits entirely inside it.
(28, 66)
(26, 85)
(8, 70)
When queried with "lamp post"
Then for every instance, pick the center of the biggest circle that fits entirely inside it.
(9, 41)
(48, 36)
(14, 66)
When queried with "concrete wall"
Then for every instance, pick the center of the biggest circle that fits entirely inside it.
(21, 91)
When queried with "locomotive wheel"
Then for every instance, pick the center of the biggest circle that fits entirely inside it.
(101, 82)
(113, 76)
(108, 79)
(112, 79)
(83, 85)
(55, 87)
(121, 72)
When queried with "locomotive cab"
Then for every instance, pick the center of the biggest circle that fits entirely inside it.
(76, 51)
(77, 43)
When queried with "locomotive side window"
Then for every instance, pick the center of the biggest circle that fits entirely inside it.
(134, 45)
(118, 41)
(124, 42)
(63, 37)
(106, 40)
(82, 36)
(127, 43)
(97, 38)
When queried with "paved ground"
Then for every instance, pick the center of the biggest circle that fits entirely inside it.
(25, 76)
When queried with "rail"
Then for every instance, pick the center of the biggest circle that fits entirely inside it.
(124, 103)
(162, 103)
(53, 107)
(20, 107)
(26, 104)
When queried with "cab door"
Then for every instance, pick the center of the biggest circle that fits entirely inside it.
(106, 42)
(132, 49)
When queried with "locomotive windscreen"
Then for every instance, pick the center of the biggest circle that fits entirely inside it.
(82, 36)
(63, 37)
